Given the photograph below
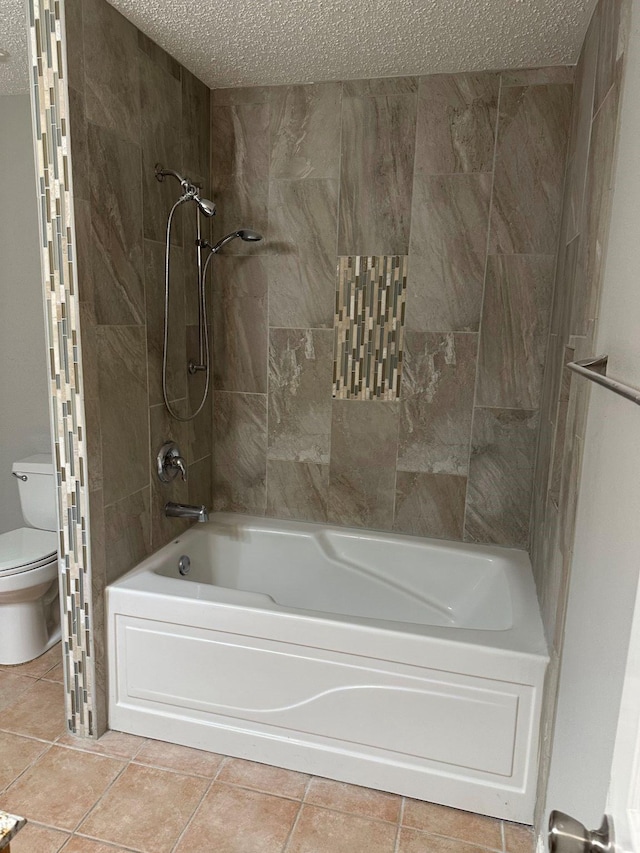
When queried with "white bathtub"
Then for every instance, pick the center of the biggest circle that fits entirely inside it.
(410, 665)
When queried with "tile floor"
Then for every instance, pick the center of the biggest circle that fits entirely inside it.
(125, 793)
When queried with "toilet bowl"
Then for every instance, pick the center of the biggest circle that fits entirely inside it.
(29, 605)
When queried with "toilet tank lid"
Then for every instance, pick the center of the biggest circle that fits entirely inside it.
(39, 463)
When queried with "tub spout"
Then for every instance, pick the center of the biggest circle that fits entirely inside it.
(173, 510)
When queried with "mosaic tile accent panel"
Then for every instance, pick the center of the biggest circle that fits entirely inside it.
(369, 324)
(51, 110)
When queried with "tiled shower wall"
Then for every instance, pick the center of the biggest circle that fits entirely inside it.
(132, 105)
(460, 174)
(582, 250)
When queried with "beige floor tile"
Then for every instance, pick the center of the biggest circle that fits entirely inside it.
(351, 798)
(413, 841)
(235, 820)
(264, 777)
(518, 838)
(115, 744)
(38, 712)
(12, 684)
(146, 808)
(38, 839)
(16, 754)
(61, 787)
(465, 826)
(322, 831)
(78, 844)
(39, 666)
(182, 759)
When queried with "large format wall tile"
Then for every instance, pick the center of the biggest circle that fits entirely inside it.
(380, 87)
(607, 50)
(127, 525)
(456, 126)
(430, 504)
(596, 212)
(240, 172)
(364, 440)
(196, 128)
(240, 324)
(437, 402)
(583, 95)
(500, 476)
(122, 372)
(305, 131)
(378, 142)
(542, 76)
(161, 113)
(515, 327)
(450, 217)
(240, 142)
(240, 452)
(112, 73)
(116, 228)
(530, 162)
(300, 372)
(297, 490)
(302, 233)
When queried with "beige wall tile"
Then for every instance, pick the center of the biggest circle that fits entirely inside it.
(529, 169)
(378, 142)
(457, 116)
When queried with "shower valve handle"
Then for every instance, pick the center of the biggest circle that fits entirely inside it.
(169, 462)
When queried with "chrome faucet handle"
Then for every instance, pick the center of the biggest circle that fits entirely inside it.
(169, 462)
(179, 463)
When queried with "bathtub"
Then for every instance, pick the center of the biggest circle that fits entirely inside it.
(410, 665)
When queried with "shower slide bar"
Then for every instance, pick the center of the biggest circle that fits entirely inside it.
(595, 369)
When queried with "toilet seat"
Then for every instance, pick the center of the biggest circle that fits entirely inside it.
(25, 549)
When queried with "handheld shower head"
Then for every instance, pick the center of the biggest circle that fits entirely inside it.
(245, 234)
(248, 235)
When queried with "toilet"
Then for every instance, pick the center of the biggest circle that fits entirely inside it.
(29, 607)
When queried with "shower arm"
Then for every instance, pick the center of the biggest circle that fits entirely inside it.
(189, 188)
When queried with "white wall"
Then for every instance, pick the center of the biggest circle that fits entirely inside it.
(24, 414)
(606, 561)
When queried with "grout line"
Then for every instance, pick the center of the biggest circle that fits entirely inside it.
(396, 847)
(294, 825)
(502, 833)
(6, 789)
(109, 844)
(195, 811)
(101, 797)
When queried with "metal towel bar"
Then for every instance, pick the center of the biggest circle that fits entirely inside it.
(595, 369)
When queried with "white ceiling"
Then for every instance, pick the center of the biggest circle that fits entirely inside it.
(268, 42)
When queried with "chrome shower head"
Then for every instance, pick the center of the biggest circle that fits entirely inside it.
(205, 205)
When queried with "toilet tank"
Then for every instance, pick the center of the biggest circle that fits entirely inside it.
(37, 488)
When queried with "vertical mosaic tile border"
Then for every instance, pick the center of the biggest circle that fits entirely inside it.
(369, 324)
(50, 110)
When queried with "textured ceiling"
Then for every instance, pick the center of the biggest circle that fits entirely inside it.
(227, 43)
(13, 38)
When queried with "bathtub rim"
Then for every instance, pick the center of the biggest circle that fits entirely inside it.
(524, 641)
